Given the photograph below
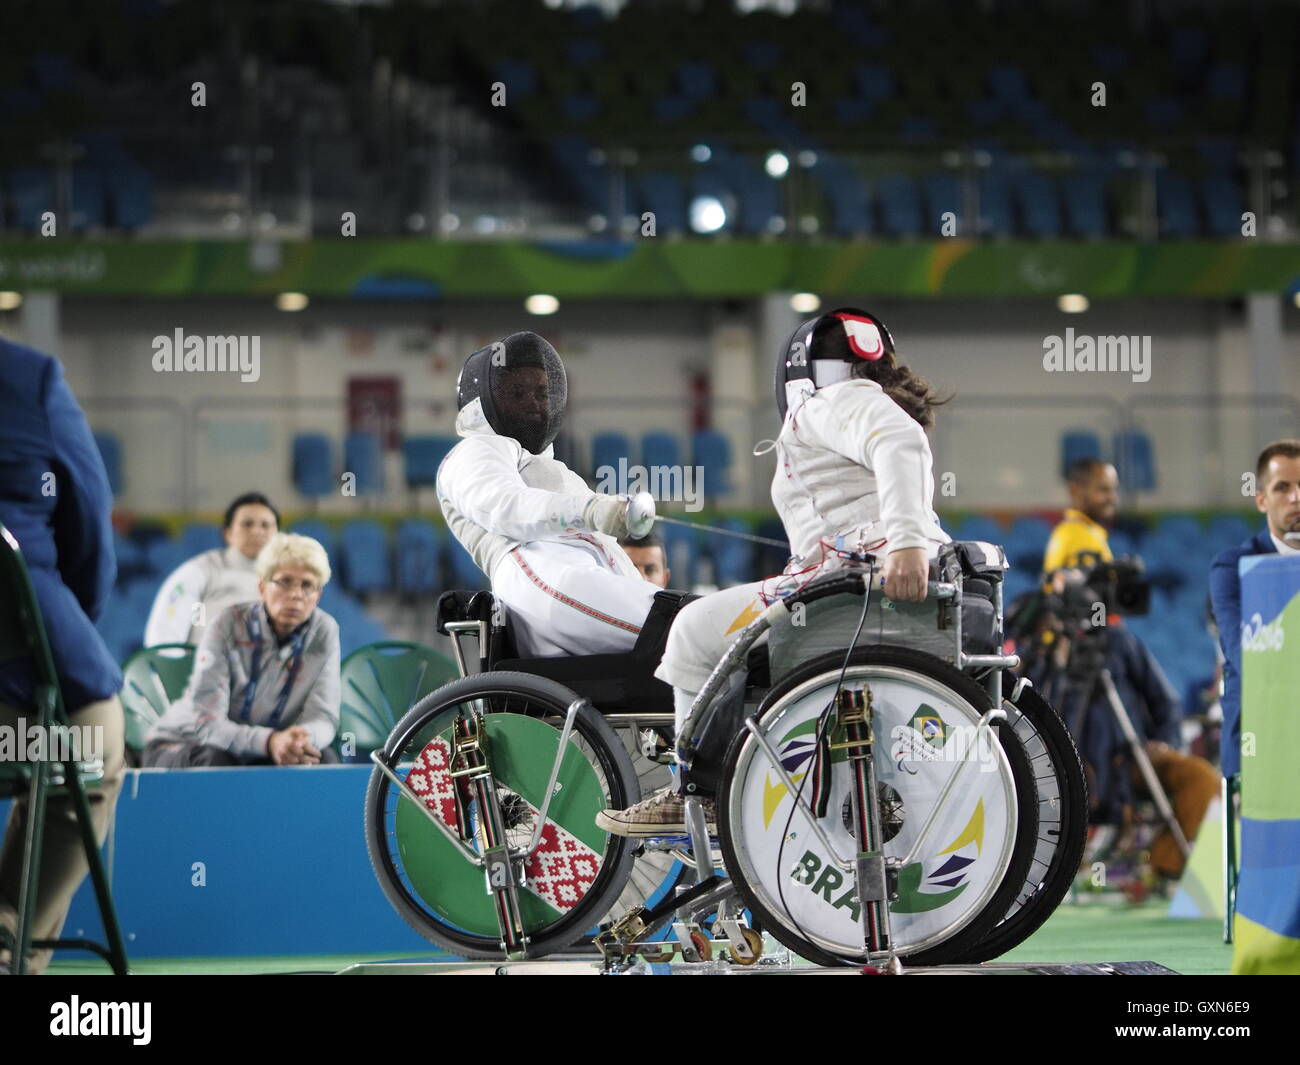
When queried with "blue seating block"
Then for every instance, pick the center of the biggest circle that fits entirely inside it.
(364, 550)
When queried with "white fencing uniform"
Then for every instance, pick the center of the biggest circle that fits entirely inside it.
(568, 588)
(218, 578)
(853, 474)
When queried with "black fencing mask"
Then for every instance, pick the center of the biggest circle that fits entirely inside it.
(521, 384)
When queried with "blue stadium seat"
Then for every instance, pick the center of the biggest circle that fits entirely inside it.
(874, 82)
(421, 457)
(660, 449)
(418, 546)
(943, 193)
(584, 51)
(979, 527)
(711, 451)
(580, 107)
(319, 531)
(1221, 201)
(733, 558)
(606, 450)
(1123, 543)
(518, 75)
(665, 195)
(996, 215)
(197, 537)
(772, 559)
(130, 194)
(574, 156)
(697, 80)
(846, 194)
(1227, 530)
(131, 558)
(364, 457)
(110, 450)
(1026, 541)
(1227, 81)
(1135, 460)
(313, 465)
(364, 550)
(32, 193)
(1184, 528)
(461, 570)
(1039, 206)
(1084, 197)
(87, 198)
(900, 207)
(1078, 444)
(683, 550)
(164, 554)
(1008, 83)
(1175, 205)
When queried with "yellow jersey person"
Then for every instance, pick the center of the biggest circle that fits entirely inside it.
(1094, 497)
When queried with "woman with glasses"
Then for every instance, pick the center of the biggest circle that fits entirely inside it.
(265, 686)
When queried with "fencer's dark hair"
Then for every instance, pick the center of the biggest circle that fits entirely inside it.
(908, 389)
(249, 499)
(650, 539)
(1287, 449)
(1080, 471)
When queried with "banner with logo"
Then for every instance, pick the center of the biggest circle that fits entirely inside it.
(646, 268)
(1267, 925)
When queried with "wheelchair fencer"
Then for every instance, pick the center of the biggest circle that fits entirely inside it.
(887, 791)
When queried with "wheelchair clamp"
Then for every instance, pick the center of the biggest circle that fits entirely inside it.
(471, 773)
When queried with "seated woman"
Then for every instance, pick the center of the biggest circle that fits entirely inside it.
(265, 686)
(201, 588)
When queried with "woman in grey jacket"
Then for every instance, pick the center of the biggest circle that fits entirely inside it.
(265, 686)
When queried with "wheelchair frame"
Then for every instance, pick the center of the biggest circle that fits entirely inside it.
(628, 936)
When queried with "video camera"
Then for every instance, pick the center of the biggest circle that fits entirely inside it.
(1119, 586)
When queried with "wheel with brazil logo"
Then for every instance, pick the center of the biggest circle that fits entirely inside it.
(577, 872)
(962, 863)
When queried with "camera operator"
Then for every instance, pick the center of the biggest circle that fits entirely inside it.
(1078, 632)
(1073, 638)
(1093, 486)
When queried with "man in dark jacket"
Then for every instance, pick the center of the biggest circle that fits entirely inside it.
(1277, 496)
(56, 503)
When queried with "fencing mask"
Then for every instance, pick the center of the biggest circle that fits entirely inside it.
(521, 384)
(825, 349)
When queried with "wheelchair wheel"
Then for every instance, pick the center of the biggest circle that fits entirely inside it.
(1062, 821)
(970, 864)
(577, 872)
(655, 873)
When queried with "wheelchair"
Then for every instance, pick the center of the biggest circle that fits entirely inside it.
(887, 791)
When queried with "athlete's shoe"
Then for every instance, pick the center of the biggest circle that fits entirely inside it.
(662, 814)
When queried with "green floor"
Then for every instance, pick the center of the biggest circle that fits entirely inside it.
(1096, 932)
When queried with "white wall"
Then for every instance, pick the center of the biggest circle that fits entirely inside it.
(629, 365)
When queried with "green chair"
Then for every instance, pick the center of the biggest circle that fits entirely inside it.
(152, 679)
(380, 682)
(22, 636)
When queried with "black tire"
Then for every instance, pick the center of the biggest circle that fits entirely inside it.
(534, 697)
(1063, 827)
(963, 939)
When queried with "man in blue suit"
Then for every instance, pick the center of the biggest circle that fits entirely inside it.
(56, 503)
(1277, 495)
